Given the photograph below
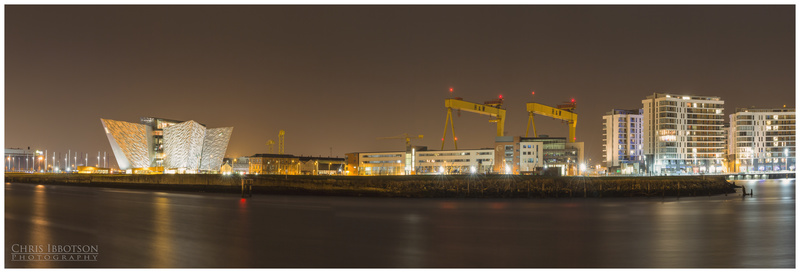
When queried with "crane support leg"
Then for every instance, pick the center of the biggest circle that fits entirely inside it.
(571, 131)
(530, 124)
(449, 119)
(500, 125)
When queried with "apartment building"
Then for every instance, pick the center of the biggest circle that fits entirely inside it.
(623, 151)
(683, 134)
(763, 139)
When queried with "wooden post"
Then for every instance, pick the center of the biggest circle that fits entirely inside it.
(247, 187)
(556, 188)
(542, 188)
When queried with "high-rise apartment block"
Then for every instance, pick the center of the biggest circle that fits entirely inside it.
(763, 139)
(683, 134)
(622, 141)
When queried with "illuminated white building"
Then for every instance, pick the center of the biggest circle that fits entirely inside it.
(531, 155)
(377, 163)
(188, 147)
(622, 141)
(454, 161)
(763, 139)
(420, 162)
(683, 134)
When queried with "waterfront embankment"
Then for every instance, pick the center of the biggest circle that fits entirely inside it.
(465, 186)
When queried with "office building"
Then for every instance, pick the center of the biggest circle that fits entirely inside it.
(533, 155)
(454, 161)
(295, 165)
(419, 160)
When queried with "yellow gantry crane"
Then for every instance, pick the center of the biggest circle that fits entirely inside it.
(565, 112)
(489, 108)
(281, 142)
(406, 137)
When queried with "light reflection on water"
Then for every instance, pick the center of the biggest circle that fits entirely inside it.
(167, 229)
(40, 231)
(162, 245)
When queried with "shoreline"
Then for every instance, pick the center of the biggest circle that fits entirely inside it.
(413, 186)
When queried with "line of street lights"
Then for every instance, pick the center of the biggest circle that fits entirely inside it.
(37, 161)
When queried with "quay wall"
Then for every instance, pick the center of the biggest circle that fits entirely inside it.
(417, 186)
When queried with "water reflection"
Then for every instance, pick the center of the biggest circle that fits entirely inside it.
(242, 237)
(411, 252)
(166, 229)
(162, 244)
(40, 230)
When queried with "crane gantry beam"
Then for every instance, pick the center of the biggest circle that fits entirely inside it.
(563, 113)
(490, 108)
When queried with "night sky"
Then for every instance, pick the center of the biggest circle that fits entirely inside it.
(341, 76)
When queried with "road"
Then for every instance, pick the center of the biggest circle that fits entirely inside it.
(139, 228)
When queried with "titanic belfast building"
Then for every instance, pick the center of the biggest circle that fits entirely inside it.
(169, 146)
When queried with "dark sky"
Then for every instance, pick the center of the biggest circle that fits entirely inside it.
(341, 76)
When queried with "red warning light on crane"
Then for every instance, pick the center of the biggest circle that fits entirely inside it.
(451, 89)
(501, 96)
(573, 100)
(533, 93)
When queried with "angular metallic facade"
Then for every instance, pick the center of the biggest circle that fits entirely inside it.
(187, 146)
(183, 145)
(214, 146)
(130, 143)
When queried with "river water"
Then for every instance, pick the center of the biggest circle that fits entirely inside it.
(138, 228)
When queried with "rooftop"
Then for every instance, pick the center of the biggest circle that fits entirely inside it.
(301, 157)
(765, 110)
(624, 112)
(684, 97)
